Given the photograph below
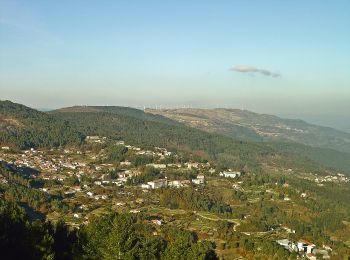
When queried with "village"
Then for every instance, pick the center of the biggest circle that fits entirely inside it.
(88, 184)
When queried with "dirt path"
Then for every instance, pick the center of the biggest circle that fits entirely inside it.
(236, 222)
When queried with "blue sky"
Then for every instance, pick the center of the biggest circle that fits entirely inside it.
(282, 57)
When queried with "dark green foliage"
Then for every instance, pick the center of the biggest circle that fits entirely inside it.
(150, 134)
(184, 245)
(189, 198)
(19, 189)
(21, 239)
(118, 236)
(24, 127)
(116, 153)
(140, 160)
(148, 174)
(114, 236)
(321, 156)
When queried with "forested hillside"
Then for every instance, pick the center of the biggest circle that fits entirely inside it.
(122, 111)
(223, 149)
(247, 125)
(24, 127)
(148, 133)
(121, 235)
(100, 185)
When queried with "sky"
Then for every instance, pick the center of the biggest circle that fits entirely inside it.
(288, 58)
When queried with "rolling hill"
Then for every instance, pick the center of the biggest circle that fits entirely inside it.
(24, 127)
(142, 128)
(246, 125)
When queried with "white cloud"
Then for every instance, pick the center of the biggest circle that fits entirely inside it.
(253, 69)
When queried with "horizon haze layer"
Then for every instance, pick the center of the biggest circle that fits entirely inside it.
(283, 58)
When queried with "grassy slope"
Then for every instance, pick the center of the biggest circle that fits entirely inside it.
(246, 125)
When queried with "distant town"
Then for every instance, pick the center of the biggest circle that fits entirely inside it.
(88, 185)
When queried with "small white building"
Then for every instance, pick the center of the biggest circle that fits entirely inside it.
(176, 184)
(199, 180)
(145, 186)
(230, 174)
(157, 165)
(283, 242)
(192, 165)
(158, 183)
(305, 246)
(287, 244)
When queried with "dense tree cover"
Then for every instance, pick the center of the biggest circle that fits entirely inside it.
(22, 239)
(148, 174)
(144, 133)
(36, 199)
(140, 160)
(175, 174)
(333, 159)
(122, 236)
(20, 189)
(116, 153)
(123, 111)
(13, 176)
(114, 236)
(229, 153)
(24, 127)
(190, 198)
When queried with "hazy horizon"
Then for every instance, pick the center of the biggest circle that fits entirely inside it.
(340, 123)
(287, 58)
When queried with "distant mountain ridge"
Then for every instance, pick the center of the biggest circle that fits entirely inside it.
(246, 125)
(23, 127)
(118, 110)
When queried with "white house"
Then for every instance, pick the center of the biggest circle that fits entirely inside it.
(305, 246)
(145, 186)
(283, 242)
(176, 184)
(230, 174)
(157, 166)
(287, 244)
(198, 180)
(158, 183)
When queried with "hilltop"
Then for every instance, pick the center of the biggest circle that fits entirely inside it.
(24, 127)
(246, 125)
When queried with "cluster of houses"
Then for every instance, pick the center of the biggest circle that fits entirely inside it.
(163, 183)
(160, 152)
(38, 159)
(305, 248)
(95, 139)
(332, 178)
